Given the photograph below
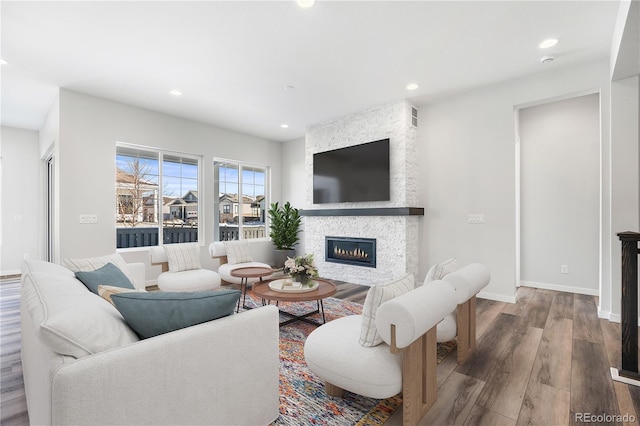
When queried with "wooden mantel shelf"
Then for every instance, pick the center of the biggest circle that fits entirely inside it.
(374, 211)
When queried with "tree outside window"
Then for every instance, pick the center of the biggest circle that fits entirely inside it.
(156, 197)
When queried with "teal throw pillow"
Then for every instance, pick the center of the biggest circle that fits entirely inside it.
(152, 313)
(109, 274)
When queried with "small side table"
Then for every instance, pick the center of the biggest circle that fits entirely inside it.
(244, 274)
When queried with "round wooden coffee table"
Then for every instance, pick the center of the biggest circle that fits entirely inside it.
(325, 289)
(244, 274)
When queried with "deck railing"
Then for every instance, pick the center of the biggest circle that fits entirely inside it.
(148, 236)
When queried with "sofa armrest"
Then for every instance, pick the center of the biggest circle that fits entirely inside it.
(220, 372)
(137, 272)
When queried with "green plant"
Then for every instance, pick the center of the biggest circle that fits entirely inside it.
(285, 225)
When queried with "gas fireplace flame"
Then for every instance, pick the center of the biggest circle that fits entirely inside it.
(353, 254)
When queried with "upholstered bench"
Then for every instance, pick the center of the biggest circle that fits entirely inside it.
(181, 269)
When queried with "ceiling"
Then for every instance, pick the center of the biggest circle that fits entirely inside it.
(233, 59)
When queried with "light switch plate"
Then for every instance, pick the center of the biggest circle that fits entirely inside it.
(88, 218)
(475, 218)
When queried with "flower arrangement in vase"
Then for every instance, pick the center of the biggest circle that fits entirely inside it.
(301, 268)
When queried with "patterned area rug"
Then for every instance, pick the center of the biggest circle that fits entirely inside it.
(303, 400)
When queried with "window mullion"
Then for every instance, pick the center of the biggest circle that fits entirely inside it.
(160, 199)
(240, 205)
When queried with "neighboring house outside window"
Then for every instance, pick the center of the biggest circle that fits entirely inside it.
(240, 216)
(156, 197)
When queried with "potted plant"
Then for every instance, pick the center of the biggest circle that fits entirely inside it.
(285, 225)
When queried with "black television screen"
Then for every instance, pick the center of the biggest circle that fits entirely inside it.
(352, 174)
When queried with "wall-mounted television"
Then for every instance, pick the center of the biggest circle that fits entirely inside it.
(353, 174)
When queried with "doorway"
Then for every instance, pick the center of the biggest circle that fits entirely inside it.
(558, 144)
(50, 252)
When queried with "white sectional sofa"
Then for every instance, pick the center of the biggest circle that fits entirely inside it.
(83, 365)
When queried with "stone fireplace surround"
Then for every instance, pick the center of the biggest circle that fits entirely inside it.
(393, 224)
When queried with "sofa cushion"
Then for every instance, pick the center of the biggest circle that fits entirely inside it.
(182, 257)
(93, 263)
(238, 251)
(106, 291)
(109, 274)
(440, 270)
(376, 296)
(71, 320)
(154, 313)
(43, 266)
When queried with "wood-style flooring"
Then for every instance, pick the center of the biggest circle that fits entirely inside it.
(541, 361)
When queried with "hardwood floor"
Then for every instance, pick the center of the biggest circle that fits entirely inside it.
(540, 361)
(543, 361)
(13, 406)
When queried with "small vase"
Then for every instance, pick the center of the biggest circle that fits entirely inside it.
(301, 278)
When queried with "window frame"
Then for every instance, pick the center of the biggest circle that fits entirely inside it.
(161, 152)
(237, 208)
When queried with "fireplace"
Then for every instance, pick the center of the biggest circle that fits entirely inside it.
(351, 251)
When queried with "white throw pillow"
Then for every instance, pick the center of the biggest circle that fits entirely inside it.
(92, 263)
(71, 320)
(441, 270)
(182, 257)
(238, 252)
(376, 296)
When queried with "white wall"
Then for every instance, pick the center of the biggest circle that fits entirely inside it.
(624, 212)
(293, 180)
(466, 145)
(625, 179)
(20, 205)
(560, 178)
(89, 129)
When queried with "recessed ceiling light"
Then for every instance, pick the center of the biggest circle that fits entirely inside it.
(3, 61)
(412, 86)
(546, 59)
(284, 126)
(550, 42)
(289, 88)
(305, 4)
(175, 92)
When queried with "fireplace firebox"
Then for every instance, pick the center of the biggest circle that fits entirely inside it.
(351, 251)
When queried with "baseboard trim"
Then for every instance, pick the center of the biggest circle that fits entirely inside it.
(497, 297)
(563, 288)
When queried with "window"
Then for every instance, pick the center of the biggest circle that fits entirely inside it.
(156, 197)
(242, 200)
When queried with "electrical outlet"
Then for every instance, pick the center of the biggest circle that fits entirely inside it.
(475, 218)
(88, 218)
(25, 256)
(564, 269)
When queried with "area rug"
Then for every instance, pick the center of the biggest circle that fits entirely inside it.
(303, 400)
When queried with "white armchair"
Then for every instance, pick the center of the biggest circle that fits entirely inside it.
(408, 321)
(405, 362)
(241, 258)
(181, 269)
